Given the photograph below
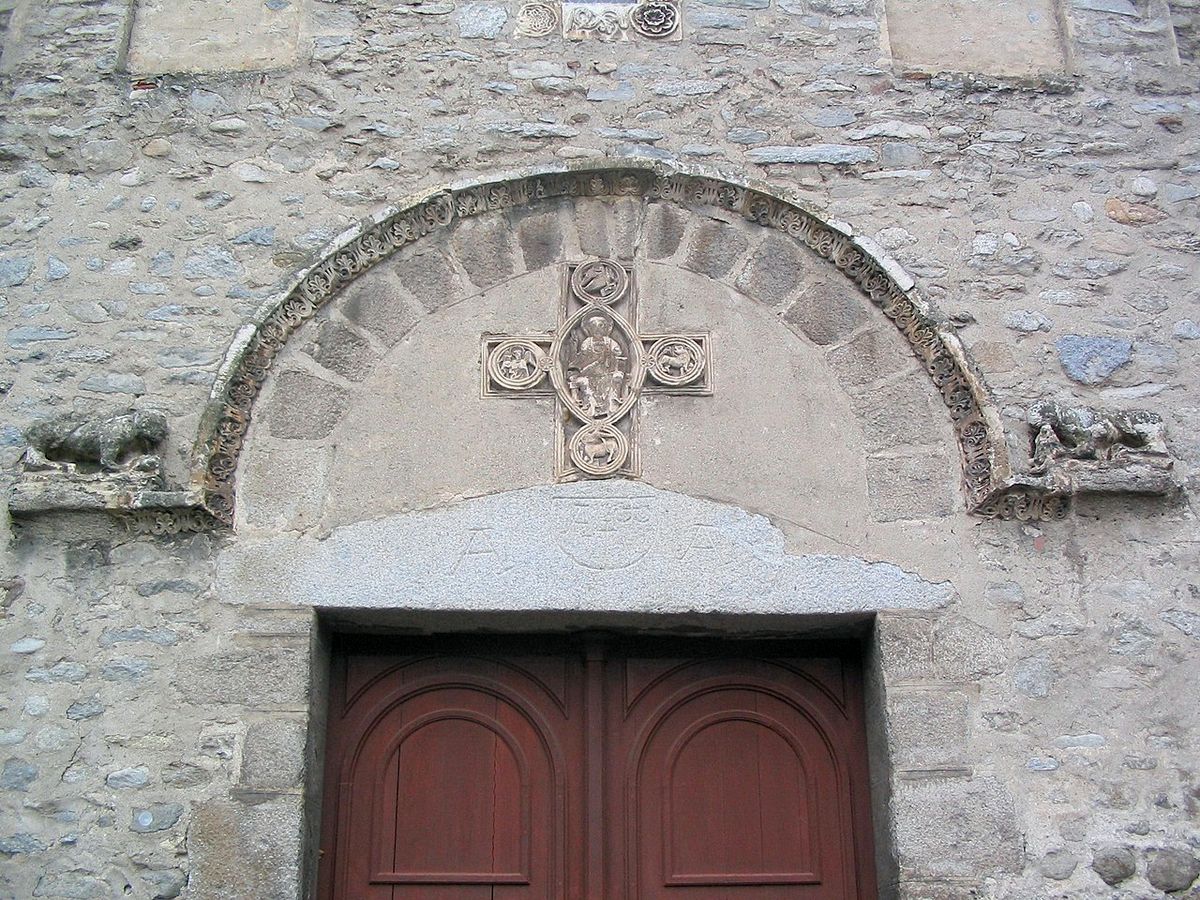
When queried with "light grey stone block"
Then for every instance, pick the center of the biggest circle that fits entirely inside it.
(604, 546)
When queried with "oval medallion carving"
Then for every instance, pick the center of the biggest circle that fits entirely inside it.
(597, 365)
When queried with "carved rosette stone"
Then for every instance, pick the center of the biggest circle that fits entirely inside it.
(657, 20)
(537, 19)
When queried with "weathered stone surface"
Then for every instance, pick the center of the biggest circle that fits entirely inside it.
(891, 129)
(245, 850)
(592, 221)
(378, 306)
(270, 676)
(191, 36)
(23, 842)
(898, 415)
(480, 20)
(664, 230)
(827, 312)
(15, 270)
(868, 356)
(77, 885)
(371, 563)
(930, 726)
(484, 249)
(283, 487)
(909, 487)
(952, 36)
(1171, 869)
(164, 884)
(126, 779)
(539, 233)
(156, 817)
(715, 248)
(273, 756)
(17, 774)
(972, 821)
(1058, 865)
(303, 407)
(1127, 213)
(1114, 864)
(86, 708)
(832, 154)
(776, 271)
(1092, 359)
(429, 276)
(340, 350)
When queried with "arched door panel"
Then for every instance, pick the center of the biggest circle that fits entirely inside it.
(449, 784)
(738, 779)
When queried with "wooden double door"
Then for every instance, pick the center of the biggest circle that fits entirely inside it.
(595, 769)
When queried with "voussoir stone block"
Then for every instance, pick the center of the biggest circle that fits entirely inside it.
(591, 225)
(715, 248)
(430, 277)
(539, 234)
(483, 246)
(376, 304)
(870, 356)
(827, 312)
(338, 349)
(910, 487)
(626, 220)
(304, 407)
(899, 414)
(776, 271)
(283, 486)
(665, 225)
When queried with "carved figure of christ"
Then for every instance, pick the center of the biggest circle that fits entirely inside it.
(596, 365)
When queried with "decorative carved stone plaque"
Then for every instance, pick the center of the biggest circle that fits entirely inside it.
(605, 20)
(596, 365)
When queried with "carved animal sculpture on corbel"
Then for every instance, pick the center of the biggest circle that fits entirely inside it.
(73, 443)
(1061, 431)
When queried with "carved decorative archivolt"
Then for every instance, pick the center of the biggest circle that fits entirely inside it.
(989, 487)
(596, 364)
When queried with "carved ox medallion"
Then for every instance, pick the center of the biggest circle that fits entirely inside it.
(596, 365)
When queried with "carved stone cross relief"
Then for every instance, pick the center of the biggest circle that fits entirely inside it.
(596, 365)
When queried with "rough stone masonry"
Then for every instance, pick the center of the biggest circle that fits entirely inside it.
(168, 168)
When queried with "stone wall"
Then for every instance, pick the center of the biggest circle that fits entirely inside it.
(160, 697)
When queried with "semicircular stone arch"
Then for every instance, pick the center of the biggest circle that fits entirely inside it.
(467, 241)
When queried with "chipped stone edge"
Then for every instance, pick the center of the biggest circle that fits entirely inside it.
(142, 512)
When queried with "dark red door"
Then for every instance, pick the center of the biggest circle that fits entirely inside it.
(614, 770)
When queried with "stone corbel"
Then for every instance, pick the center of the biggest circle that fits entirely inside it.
(106, 465)
(1074, 450)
